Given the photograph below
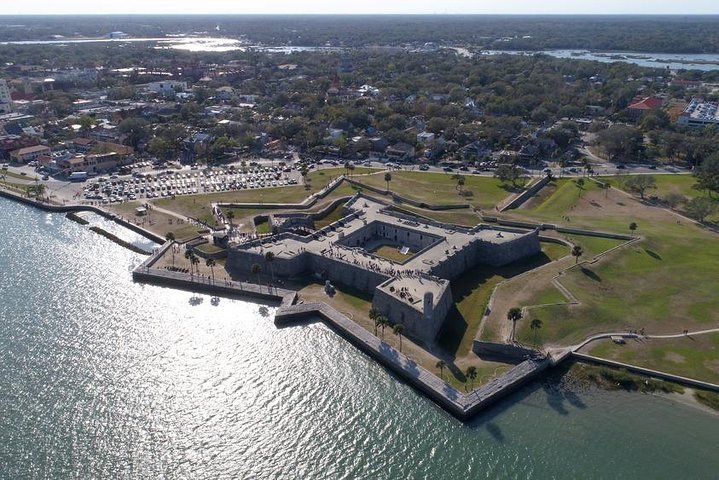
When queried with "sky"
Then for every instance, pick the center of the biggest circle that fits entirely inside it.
(359, 6)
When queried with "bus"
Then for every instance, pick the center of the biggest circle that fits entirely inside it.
(78, 176)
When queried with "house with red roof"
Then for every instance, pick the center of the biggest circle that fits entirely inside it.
(641, 105)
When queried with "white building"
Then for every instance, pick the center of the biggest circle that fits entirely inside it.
(5, 99)
(167, 88)
(699, 114)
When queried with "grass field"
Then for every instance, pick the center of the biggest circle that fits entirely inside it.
(391, 253)
(331, 217)
(695, 357)
(663, 284)
(441, 188)
(471, 293)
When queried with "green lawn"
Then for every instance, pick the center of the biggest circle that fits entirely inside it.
(471, 293)
(695, 357)
(663, 284)
(263, 227)
(441, 188)
(566, 195)
(391, 253)
(331, 217)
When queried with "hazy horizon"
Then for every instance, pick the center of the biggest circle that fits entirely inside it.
(379, 7)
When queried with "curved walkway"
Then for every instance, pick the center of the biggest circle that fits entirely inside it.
(602, 336)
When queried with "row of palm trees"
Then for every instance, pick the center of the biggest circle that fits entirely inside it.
(380, 321)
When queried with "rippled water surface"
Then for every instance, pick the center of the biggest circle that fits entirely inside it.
(104, 378)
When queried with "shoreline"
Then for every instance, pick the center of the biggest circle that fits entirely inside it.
(461, 406)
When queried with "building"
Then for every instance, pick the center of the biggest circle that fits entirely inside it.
(425, 137)
(5, 98)
(641, 105)
(167, 88)
(699, 114)
(89, 163)
(28, 154)
(414, 291)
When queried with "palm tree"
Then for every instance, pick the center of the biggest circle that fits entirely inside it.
(514, 315)
(440, 365)
(196, 262)
(633, 226)
(398, 329)
(170, 237)
(189, 255)
(230, 215)
(387, 178)
(535, 326)
(256, 269)
(269, 258)
(471, 374)
(374, 315)
(383, 322)
(211, 263)
(577, 252)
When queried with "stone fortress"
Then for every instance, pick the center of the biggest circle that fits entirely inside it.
(414, 293)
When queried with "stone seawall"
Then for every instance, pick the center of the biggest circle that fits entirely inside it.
(462, 406)
(502, 351)
(82, 208)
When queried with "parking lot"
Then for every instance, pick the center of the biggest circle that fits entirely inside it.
(172, 183)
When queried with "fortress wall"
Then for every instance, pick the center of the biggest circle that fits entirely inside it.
(415, 239)
(346, 274)
(498, 255)
(413, 320)
(241, 261)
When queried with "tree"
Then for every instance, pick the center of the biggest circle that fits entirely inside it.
(170, 237)
(256, 269)
(707, 175)
(514, 315)
(471, 373)
(388, 178)
(135, 129)
(190, 255)
(269, 258)
(508, 173)
(674, 199)
(230, 215)
(606, 186)
(535, 325)
(211, 263)
(580, 185)
(195, 262)
(460, 181)
(86, 123)
(398, 330)
(633, 226)
(440, 365)
(383, 322)
(577, 251)
(375, 315)
(620, 141)
(701, 207)
(640, 184)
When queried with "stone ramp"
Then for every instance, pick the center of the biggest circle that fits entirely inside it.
(461, 405)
